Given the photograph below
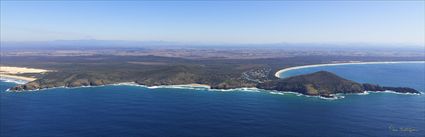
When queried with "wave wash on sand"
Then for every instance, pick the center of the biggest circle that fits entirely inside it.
(8, 73)
(278, 73)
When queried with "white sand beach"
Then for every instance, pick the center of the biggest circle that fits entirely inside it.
(6, 76)
(18, 70)
(277, 74)
(8, 72)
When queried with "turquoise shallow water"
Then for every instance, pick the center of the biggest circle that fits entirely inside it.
(139, 111)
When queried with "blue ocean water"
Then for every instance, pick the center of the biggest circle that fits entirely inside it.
(398, 74)
(138, 111)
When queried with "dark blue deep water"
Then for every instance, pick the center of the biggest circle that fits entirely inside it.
(138, 111)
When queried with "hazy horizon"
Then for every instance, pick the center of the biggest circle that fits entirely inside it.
(272, 22)
(177, 44)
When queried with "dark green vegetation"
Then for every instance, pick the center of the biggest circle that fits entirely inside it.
(325, 84)
(219, 73)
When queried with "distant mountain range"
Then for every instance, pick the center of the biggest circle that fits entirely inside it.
(93, 43)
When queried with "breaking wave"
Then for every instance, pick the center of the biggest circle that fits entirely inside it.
(207, 88)
(9, 80)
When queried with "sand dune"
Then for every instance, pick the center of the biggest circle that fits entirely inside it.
(7, 72)
(19, 70)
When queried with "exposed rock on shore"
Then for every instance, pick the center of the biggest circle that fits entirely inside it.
(325, 84)
(321, 83)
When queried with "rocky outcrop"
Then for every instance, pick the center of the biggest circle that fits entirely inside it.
(34, 85)
(372, 87)
(320, 83)
(325, 84)
(56, 79)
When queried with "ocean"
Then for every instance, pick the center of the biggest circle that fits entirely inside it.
(121, 110)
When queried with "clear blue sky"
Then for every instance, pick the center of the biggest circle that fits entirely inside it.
(216, 22)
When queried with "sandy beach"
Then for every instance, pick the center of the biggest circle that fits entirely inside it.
(6, 76)
(193, 85)
(8, 72)
(197, 85)
(277, 74)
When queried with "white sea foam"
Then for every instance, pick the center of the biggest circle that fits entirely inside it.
(284, 92)
(11, 80)
(237, 89)
(278, 73)
(278, 93)
(334, 96)
(393, 92)
(192, 87)
(207, 88)
(364, 93)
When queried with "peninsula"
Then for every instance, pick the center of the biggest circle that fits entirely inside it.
(326, 84)
(321, 83)
(217, 68)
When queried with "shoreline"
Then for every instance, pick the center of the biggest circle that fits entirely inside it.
(277, 74)
(196, 86)
(8, 73)
(205, 87)
(13, 80)
(17, 78)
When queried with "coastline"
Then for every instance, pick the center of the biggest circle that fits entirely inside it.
(13, 77)
(8, 73)
(18, 70)
(13, 80)
(195, 86)
(277, 74)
